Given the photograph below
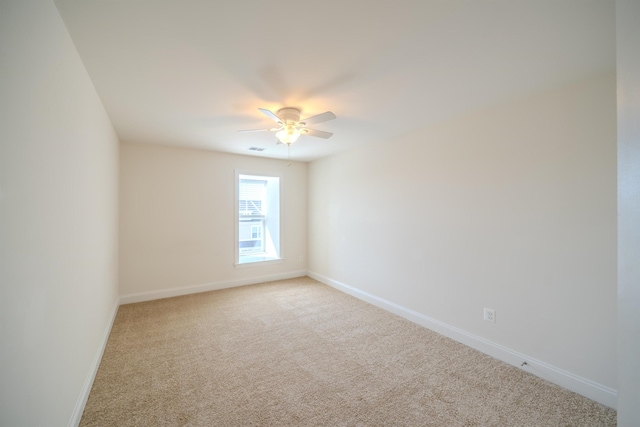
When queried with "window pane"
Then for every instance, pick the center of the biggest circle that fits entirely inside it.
(258, 218)
(252, 194)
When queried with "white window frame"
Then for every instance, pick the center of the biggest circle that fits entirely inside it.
(271, 229)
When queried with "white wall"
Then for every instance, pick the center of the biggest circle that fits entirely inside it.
(177, 220)
(511, 208)
(58, 219)
(628, 72)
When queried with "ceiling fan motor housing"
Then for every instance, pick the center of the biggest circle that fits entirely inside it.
(289, 115)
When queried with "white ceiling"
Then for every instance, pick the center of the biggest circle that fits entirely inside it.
(192, 73)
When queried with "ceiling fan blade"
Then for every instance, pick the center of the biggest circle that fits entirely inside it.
(326, 116)
(271, 115)
(318, 133)
(259, 130)
(253, 130)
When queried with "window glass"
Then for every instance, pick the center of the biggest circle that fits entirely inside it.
(258, 218)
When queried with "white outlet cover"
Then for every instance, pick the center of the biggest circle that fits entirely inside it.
(490, 315)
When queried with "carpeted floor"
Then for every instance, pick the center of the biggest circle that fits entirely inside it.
(299, 353)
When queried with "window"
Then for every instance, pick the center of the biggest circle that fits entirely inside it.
(256, 232)
(258, 218)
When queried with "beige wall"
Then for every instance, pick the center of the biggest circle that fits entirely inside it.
(58, 219)
(511, 208)
(177, 219)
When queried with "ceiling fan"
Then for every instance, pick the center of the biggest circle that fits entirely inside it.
(291, 127)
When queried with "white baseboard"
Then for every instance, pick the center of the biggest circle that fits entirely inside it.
(186, 290)
(590, 389)
(76, 415)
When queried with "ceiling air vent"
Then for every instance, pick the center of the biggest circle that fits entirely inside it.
(256, 149)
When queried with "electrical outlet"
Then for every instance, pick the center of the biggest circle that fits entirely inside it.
(301, 258)
(490, 315)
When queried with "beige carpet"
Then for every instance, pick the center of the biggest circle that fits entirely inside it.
(299, 353)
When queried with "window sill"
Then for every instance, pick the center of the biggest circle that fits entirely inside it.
(256, 261)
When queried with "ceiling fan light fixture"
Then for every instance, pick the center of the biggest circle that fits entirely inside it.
(288, 135)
